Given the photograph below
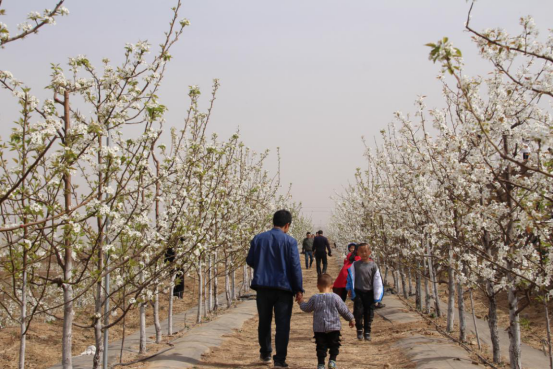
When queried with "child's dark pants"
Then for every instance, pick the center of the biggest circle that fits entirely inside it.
(329, 341)
(363, 310)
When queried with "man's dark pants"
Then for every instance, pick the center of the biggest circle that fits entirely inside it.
(321, 256)
(363, 310)
(308, 259)
(269, 299)
(329, 341)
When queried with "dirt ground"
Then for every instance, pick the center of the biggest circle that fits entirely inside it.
(241, 349)
(44, 339)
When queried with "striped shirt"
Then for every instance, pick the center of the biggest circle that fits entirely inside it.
(327, 307)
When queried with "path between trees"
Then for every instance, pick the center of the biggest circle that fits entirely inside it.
(402, 339)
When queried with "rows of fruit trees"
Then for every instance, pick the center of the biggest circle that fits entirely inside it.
(466, 191)
(94, 206)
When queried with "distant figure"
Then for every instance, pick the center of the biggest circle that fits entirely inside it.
(277, 277)
(339, 286)
(326, 320)
(320, 246)
(365, 289)
(307, 248)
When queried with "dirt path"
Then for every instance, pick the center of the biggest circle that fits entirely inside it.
(241, 349)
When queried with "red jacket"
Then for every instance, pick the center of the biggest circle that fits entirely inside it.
(342, 278)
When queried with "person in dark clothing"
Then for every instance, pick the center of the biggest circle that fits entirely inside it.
(277, 277)
(307, 249)
(320, 246)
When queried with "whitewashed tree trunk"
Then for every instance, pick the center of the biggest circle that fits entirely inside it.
(233, 286)
(418, 291)
(170, 308)
(427, 295)
(210, 282)
(200, 293)
(410, 281)
(68, 313)
(434, 283)
(215, 287)
(23, 316)
(492, 323)
(227, 285)
(514, 330)
(157, 324)
(142, 342)
(548, 328)
(451, 295)
(461, 307)
(474, 320)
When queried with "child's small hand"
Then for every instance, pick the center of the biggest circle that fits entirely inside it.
(351, 324)
(349, 293)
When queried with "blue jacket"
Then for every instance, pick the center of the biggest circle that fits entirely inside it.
(378, 286)
(275, 260)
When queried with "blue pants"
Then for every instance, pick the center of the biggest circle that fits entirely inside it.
(269, 299)
(308, 256)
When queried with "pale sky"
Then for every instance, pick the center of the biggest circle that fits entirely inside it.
(309, 76)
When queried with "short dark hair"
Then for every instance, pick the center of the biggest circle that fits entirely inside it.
(320, 232)
(281, 218)
(324, 280)
(363, 245)
(308, 233)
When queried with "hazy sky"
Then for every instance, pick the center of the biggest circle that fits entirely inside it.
(309, 76)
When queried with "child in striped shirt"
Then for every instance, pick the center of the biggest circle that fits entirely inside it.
(328, 307)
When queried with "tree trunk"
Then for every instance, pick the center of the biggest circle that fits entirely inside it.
(215, 287)
(233, 286)
(23, 317)
(170, 309)
(409, 279)
(418, 292)
(548, 327)
(157, 324)
(68, 313)
(142, 343)
(474, 320)
(434, 283)
(514, 329)
(450, 297)
(461, 307)
(227, 285)
(427, 295)
(492, 323)
(200, 293)
(385, 275)
(210, 281)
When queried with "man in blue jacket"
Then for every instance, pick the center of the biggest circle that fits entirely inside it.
(277, 278)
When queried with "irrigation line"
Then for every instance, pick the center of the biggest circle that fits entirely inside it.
(444, 333)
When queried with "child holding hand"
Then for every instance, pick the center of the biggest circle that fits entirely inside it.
(328, 307)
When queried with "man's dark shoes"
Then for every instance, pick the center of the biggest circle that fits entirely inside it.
(280, 364)
(360, 335)
(265, 359)
(367, 336)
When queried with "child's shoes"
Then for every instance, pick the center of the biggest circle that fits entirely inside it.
(360, 335)
(321, 366)
(367, 336)
(331, 364)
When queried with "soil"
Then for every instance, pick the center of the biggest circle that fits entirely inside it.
(241, 349)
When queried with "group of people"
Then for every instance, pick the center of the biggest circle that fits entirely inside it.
(274, 257)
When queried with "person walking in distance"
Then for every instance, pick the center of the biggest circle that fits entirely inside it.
(364, 286)
(277, 277)
(307, 248)
(320, 246)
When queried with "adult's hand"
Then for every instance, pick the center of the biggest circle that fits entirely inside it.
(299, 296)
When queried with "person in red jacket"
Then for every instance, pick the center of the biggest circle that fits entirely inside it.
(339, 286)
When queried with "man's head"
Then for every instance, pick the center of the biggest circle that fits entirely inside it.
(308, 234)
(364, 252)
(319, 233)
(324, 282)
(282, 219)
